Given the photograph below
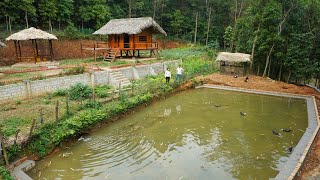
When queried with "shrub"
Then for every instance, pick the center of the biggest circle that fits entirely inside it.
(5, 175)
(92, 104)
(60, 92)
(75, 70)
(79, 91)
(102, 91)
(13, 150)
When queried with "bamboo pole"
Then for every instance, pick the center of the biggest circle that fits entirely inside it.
(57, 110)
(3, 147)
(16, 136)
(32, 127)
(67, 104)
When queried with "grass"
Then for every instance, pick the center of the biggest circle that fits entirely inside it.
(11, 125)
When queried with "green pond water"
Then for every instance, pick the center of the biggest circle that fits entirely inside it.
(196, 134)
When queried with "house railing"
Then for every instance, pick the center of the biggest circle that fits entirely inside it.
(153, 45)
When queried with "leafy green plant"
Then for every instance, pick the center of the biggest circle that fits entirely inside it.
(60, 92)
(10, 125)
(13, 150)
(79, 91)
(5, 175)
(92, 104)
(102, 91)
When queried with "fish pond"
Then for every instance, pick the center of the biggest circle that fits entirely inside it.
(195, 134)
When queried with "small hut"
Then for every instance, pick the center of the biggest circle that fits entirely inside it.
(131, 35)
(234, 63)
(37, 37)
(2, 44)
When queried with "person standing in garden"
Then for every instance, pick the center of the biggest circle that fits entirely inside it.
(179, 73)
(167, 75)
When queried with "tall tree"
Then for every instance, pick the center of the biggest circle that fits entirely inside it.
(27, 7)
(48, 11)
(65, 10)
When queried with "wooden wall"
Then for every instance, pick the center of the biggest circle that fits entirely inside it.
(117, 41)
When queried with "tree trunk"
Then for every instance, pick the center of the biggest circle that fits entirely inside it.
(130, 8)
(162, 6)
(10, 29)
(196, 29)
(288, 80)
(7, 23)
(258, 71)
(280, 28)
(267, 61)
(50, 25)
(82, 26)
(154, 8)
(59, 24)
(269, 67)
(208, 29)
(26, 18)
(254, 47)
(280, 72)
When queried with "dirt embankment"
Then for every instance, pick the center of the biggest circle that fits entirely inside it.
(62, 49)
(312, 166)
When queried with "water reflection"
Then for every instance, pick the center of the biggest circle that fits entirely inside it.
(196, 134)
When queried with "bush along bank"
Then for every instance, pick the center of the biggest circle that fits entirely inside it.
(46, 138)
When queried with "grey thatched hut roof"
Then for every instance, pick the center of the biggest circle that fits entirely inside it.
(31, 33)
(130, 26)
(2, 44)
(233, 57)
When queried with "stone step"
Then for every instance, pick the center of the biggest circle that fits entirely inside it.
(117, 75)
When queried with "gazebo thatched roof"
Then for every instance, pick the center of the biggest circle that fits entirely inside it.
(233, 57)
(31, 33)
(2, 44)
(130, 26)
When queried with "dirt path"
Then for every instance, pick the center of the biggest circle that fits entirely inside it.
(312, 166)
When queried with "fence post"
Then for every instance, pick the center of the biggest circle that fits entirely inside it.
(67, 104)
(41, 115)
(132, 87)
(31, 129)
(57, 110)
(3, 147)
(16, 136)
(93, 85)
(27, 88)
(119, 89)
(113, 95)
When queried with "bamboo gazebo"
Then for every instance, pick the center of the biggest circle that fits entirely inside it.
(234, 63)
(34, 35)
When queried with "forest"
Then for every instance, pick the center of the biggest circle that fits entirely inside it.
(283, 36)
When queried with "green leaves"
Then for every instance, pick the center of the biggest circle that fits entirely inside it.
(79, 91)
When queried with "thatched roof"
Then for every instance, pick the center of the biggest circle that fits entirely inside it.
(130, 26)
(31, 33)
(2, 44)
(233, 57)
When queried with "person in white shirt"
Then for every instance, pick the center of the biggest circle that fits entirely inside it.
(167, 75)
(179, 73)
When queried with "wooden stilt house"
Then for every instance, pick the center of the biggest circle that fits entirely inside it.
(130, 36)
